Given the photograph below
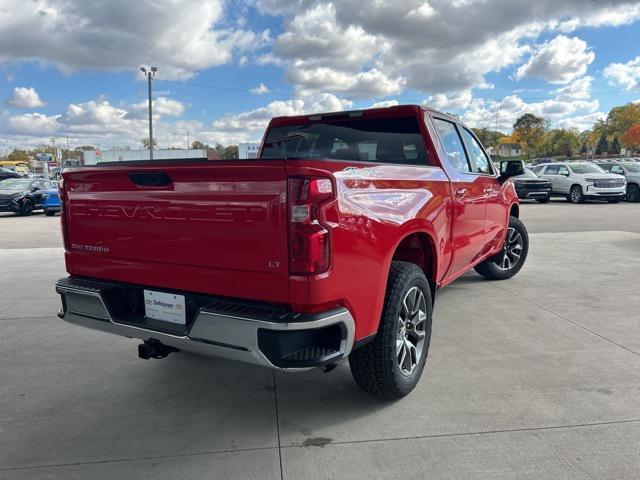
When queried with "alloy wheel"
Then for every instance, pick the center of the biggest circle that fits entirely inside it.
(511, 251)
(410, 335)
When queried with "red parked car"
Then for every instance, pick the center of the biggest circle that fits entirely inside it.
(332, 244)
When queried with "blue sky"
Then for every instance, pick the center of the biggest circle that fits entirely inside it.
(70, 68)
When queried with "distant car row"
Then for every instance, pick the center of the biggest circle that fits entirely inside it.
(24, 195)
(579, 181)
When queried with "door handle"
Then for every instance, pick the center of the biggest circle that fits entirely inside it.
(461, 192)
(488, 190)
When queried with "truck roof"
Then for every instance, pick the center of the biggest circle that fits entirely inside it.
(393, 111)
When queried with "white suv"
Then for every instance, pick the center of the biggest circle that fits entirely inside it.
(578, 181)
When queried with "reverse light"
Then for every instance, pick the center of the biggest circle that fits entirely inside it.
(309, 238)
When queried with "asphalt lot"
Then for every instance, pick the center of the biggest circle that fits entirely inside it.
(535, 377)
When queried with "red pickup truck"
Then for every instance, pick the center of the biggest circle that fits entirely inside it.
(331, 244)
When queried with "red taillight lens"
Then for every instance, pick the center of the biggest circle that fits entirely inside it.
(63, 215)
(309, 239)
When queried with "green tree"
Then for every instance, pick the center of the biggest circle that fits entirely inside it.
(145, 143)
(488, 138)
(602, 146)
(85, 147)
(18, 156)
(198, 145)
(529, 131)
(615, 145)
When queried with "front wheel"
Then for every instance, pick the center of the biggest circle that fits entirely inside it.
(576, 195)
(27, 208)
(511, 258)
(391, 365)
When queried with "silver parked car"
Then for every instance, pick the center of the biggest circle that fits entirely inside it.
(631, 171)
(579, 181)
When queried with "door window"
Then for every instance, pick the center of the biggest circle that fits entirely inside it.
(552, 170)
(452, 144)
(480, 163)
(617, 169)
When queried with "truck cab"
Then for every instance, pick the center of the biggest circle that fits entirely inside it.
(331, 244)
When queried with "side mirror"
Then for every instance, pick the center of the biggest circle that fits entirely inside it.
(566, 174)
(34, 189)
(510, 168)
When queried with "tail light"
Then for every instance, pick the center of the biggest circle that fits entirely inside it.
(63, 215)
(309, 239)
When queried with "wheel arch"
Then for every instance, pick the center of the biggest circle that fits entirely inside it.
(514, 211)
(419, 248)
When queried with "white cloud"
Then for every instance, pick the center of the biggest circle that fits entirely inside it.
(260, 89)
(564, 109)
(161, 106)
(384, 104)
(32, 123)
(24, 97)
(559, 60)
(626, 75)
(250, 125)
(582, 122)
(180, 37)
(433, 46)
(451, 101)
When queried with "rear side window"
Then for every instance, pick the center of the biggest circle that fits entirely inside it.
(452, 144)
(480, 163)
(552, 170)
(393, 140)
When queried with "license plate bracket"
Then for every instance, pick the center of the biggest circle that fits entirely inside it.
(166, 307)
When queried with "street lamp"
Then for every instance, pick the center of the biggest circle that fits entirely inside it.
(149, 76)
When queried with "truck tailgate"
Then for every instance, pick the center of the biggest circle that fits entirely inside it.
(220, 216)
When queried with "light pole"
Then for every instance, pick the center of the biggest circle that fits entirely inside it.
(150, 74)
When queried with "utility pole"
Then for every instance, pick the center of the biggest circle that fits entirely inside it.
(150, 74)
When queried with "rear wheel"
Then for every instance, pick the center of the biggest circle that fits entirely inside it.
(27, 208)
(576, 195)
(511, 258)
(633, 193)
(391, 365)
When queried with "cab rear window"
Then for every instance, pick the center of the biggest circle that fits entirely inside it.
(394, 140)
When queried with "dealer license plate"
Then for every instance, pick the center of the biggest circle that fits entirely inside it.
(165, 306)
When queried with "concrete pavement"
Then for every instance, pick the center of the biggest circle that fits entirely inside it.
(535, 377)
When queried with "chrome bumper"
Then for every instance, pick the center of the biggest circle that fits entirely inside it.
(219, 332)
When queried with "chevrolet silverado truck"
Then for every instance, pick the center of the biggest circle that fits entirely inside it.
(331, 245)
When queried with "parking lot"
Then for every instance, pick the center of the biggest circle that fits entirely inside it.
(534, 377)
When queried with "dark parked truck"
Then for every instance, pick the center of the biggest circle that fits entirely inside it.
(332, 244)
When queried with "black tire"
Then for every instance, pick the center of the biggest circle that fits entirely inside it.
(49, 213)
(375, 367)
(613, 200)
(576, 195)
(633, 193)
(493, 268)
(543, 200)
(27, 208)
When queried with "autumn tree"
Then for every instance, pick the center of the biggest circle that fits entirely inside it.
(631, 137)
(529, 131)
(18, 156)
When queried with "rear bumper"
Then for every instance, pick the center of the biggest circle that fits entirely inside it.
(232, 330)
